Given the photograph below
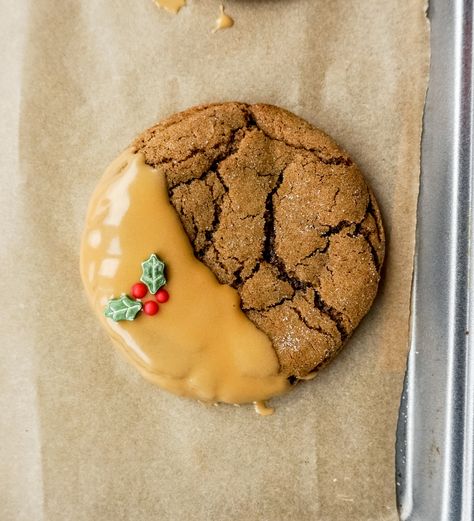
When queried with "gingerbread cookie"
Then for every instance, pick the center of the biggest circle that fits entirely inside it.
(269, 213)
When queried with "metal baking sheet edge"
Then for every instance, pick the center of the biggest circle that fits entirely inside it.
(435, 435)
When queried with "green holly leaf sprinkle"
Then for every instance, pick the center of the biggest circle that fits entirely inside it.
(153, 273)
(123, 308)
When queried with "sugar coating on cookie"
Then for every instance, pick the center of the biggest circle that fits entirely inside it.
(276, 210)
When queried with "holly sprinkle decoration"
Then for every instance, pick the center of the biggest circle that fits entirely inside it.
(153, 273)
(123, 308)
(152, 279)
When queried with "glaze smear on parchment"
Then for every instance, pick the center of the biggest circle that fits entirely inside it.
(172, 6)
(224, 21)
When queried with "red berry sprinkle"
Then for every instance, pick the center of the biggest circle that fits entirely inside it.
(139, 290)
(150, 307)
(162, 296)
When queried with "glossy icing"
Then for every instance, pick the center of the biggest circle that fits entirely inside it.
(200, 344)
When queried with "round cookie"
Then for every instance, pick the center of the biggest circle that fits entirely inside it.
(275, 209)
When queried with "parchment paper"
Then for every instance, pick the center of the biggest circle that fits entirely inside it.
(83, 436)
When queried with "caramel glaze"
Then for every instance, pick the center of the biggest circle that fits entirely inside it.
(200, 344)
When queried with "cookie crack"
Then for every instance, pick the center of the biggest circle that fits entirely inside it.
(338, 228)
(238, 275)
(195, 226)
(303, 319)
(192, 153)
(270, 255)
(341, 225)
(227, 152)
(314, 252)
(251, 274)
(360, 232)
(248, 216)
(335, 315)
(270, 306)
(334, 160)
(232, 149)
(373, 252)
(202, 177)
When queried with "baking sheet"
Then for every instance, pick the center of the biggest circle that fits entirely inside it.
(435, 438)
(83, 436)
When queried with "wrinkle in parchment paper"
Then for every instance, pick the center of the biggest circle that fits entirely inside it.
(85, 437)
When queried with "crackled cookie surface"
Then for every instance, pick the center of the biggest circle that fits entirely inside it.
(276, 210)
